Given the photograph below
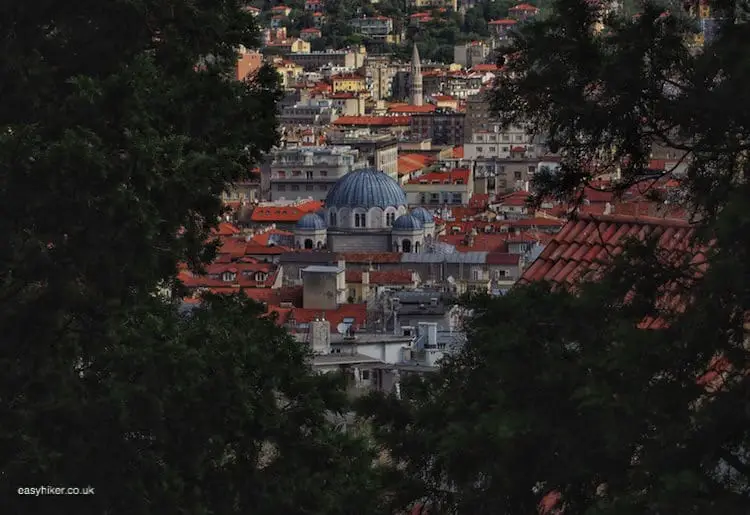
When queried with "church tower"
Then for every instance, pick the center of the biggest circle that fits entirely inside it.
(416, 78)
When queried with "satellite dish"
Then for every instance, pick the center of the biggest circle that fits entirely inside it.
(343, 328)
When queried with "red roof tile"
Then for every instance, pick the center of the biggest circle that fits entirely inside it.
(580, 249)
(262, 238)
(409, 163)
(455, 176)
(409, 109)
(295, 316)
(291, 213)
(458, 152)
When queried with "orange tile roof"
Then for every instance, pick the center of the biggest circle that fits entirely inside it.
(408, 108)
(458, 152)
(246, 275)
(295, 315)
(262, 238)
(450, 177)
(409, 163)
(381, 278)
(524, 7)
(226, 229)
(380, 121)
(582, 244)
(484, 68)
(479, 200)
(270, 214)
(262, 250)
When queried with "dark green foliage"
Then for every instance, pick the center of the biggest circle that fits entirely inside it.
(120, 126)
(564, 391)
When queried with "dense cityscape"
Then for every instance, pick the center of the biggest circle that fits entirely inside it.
(419, 257)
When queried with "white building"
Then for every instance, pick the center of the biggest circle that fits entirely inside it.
(310, 112)
(304, 172)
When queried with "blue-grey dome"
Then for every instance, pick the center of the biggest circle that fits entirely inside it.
(311, 221)
(407, 223)
(366, 188)
(422, 215)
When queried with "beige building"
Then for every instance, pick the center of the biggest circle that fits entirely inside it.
(434, 189)
(379, 150)
(308, 171)
(312, 61)
(288, 71)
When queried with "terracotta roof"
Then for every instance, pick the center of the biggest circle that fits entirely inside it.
(262, 250)
(487, 67)
(408, 108)
(409, 163)
(381, 278)
(380, 121)
(239, 275)
(450, 177)
(293, 213)
(580, 247)
(537, 222)
(506, 21)
(262, 238)
(458, 152)
(225, 229)
(524, 7)
(370, 257)
(295, 315)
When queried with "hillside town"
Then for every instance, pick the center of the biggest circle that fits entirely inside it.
(394, 191)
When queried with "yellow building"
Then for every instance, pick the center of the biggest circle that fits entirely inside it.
(348, 83)
(288, 71)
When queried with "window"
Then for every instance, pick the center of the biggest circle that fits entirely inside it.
(309, 187)
(359, 220)
(476, 274)
(295, 187)
(480, 149)
(296, 173)
(517, 176)
(532, 169)
(281, 187)
(506, 138)
(324, 173)
(389, 219)
(519, 138)
(353, 294)
(505, 149)
(332, 217)
(498, 274)
(365, 375)
(308, 243)
(309, 176)
(492, 149)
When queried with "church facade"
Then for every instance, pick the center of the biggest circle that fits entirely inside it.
(366, 211)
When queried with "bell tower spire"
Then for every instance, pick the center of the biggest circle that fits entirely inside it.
(416, 78)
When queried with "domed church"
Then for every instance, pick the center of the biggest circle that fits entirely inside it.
(365, 211)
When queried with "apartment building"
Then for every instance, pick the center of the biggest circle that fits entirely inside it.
(308, 172)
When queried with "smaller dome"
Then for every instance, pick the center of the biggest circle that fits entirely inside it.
(407, 223)
(311, 221)
(422, 215)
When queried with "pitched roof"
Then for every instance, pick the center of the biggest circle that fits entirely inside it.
(583, 244)
(408, 108)
(291, 213)
(455, 176)
(409, 163)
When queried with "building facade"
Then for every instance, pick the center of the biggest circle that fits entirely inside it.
(308, 171)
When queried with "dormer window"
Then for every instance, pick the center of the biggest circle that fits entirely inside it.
(228, 276)
(261, 276)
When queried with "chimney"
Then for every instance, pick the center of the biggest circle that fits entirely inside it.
(320, 337)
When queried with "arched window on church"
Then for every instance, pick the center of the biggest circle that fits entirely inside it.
(406, 245)
(333, 218)
(308, 243)
(359, 220)
(390, 218)
(416, 247)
